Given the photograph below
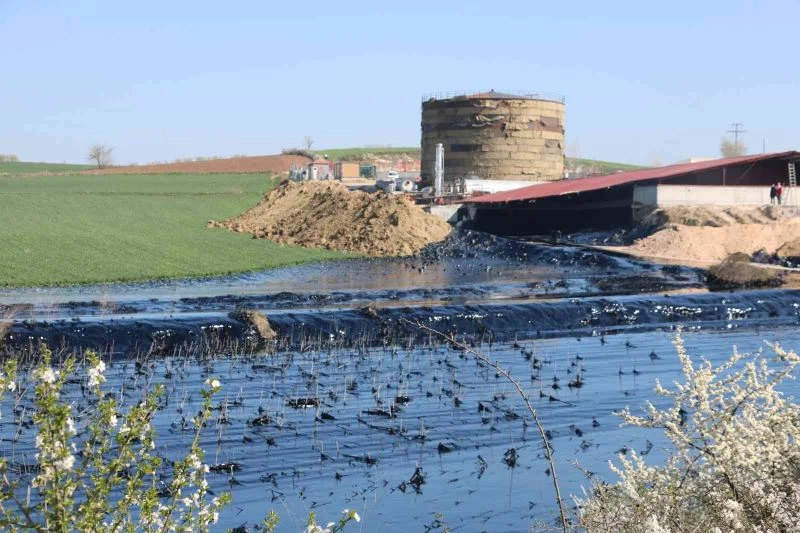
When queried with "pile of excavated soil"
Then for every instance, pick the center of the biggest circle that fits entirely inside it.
(791, 249)
(328, 215)
(265, 163)
(737, 272)
(714, 216)
(706, 243)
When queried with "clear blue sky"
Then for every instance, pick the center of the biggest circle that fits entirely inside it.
(644, 82)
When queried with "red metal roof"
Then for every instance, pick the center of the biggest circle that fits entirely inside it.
(570, 186)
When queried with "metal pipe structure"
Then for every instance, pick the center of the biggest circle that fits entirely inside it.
(438, 171)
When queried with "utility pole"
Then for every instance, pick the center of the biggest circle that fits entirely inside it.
(736, 131)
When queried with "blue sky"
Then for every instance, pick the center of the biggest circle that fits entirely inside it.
(644, 82)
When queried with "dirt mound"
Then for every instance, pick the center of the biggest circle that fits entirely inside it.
(736, 272)
(705, 243)
(328, 215)
(654, 219)
(790, 249)
(265, 163)
(257, 321)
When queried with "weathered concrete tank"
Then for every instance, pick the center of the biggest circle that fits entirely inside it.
(494, 135)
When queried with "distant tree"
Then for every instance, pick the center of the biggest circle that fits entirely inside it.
(729, 148)
(101, 155)
(308, 141)
(13, 158)
(298, 151)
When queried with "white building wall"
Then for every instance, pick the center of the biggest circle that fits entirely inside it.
(645, 195)
(473, 185)
(667, 195)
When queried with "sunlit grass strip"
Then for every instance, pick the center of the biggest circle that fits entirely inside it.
(61, 230)
(25, 167)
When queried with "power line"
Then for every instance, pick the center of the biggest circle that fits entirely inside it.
(737, 129)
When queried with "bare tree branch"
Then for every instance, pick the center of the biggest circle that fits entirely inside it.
(100, 154)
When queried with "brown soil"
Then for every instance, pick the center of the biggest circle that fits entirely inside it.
(265, 163)
(789, 249)
(714, 216)
(736, 272)
(257, 320)
(705, 243)
(328, 215)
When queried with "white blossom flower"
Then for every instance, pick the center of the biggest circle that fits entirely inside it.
(65, 463)
(193, 461)
(155, 519)
(112, 421)
(48, 375)
(213, 383)
(95, 373)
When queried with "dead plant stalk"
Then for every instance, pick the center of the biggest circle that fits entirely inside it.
(548, 450)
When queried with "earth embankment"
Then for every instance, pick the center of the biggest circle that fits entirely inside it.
(329, 215)
(708, 243)
(265, 163)
(711, 234)
(715, 216)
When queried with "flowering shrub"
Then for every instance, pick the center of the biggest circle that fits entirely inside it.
(332, 527)
(109, 479)
(735, 457)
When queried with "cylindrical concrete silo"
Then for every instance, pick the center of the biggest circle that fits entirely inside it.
(494, 135)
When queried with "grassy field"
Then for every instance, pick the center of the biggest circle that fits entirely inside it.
(350, 153)
(59, 230)
(22, 167)
(603, 167)
(414, 152)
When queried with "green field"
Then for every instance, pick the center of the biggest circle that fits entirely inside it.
(602, 167)
(22, 167)
(359, 153)
(60, 230)
(335, 154)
